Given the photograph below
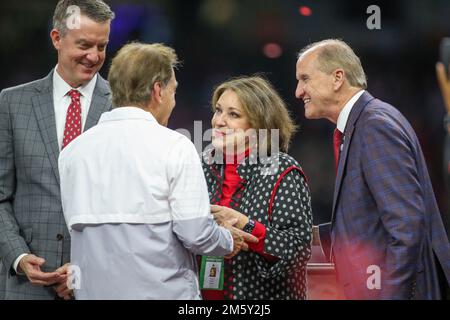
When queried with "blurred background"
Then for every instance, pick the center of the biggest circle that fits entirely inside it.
(218, 39)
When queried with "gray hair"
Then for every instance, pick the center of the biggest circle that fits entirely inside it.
(333, 54)
(135, 69)
(96, 10)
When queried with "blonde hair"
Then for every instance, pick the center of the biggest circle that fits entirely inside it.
(136, 68)
(334, 54)
(262, 105)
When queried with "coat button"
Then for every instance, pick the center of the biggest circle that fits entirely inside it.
(59, 237)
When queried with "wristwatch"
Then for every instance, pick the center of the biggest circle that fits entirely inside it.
(249, 226)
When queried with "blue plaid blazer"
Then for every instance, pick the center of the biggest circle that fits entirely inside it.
(386, 230)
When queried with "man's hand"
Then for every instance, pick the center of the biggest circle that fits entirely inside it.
(444, 83)
(31, 266)
(234, 221)
(61, 288)
(222, 214)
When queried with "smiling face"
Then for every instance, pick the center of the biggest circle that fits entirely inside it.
(314, 87)
(229, 124)
(81, 52)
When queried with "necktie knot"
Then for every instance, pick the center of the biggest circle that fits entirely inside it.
(74, 95)
(337, 137)
(73, 125)
(337, 142)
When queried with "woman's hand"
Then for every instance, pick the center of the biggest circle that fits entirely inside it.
(234, 221)
(224, 214)
(240, 239)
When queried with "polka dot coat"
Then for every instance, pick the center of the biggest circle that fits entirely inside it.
(276, 194)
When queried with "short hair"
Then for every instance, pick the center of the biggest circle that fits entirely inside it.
(136, 68)
(262, 105)
(335, 53)
(96, 10)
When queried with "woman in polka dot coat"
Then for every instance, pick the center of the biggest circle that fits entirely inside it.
(265, 195)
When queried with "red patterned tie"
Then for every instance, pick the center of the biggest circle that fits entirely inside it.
(73, 118)
(337, 141)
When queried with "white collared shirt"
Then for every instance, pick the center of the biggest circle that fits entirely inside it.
(345, 112)
(147, 170)
(135, 199)
(61, 102)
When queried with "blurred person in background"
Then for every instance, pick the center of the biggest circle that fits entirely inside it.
(443, 77)
(386, 236)
(250, 178)
(133, 192)
(38, 120)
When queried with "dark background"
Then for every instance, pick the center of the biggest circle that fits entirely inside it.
(218, 39)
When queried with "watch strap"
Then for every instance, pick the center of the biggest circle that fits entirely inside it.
(249, 226)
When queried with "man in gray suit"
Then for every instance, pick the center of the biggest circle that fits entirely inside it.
(37, 120)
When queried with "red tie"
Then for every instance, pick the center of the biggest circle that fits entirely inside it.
(337, 141)
(73, 118)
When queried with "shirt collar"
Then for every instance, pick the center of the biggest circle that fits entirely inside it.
(126, 113)
(343, 116)
(61, 87)
(246, 169)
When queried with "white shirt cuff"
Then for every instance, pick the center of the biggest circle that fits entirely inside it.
(16, 263)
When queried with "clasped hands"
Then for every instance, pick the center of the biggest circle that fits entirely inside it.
(234, 221)
(31, 266)
(231, 219)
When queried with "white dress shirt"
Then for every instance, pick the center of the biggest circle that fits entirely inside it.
(136, 203)
(345, 112)
(61, 102)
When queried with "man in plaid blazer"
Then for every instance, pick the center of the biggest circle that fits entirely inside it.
(34, 240)
(386, 233)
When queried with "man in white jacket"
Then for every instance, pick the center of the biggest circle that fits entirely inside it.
(133, 191)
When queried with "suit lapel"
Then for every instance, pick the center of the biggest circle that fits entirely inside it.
(348, 135)
(100, 103)
(45, 115)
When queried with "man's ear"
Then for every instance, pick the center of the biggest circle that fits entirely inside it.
(55, 35)
(157, 92)
(339, 77)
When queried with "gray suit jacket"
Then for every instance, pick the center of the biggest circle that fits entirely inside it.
(31, 217)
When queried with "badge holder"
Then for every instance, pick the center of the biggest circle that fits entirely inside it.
(211, 273)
